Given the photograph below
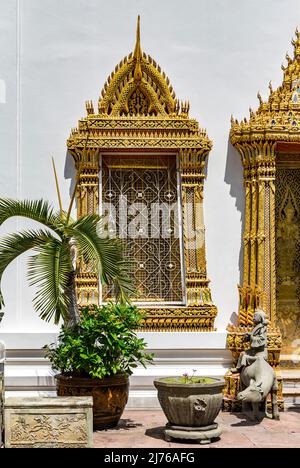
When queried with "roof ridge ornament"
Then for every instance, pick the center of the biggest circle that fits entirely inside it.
(296, 44)
(138, 81)
(278, 118)
(137, 56)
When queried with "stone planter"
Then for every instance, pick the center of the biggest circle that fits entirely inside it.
(110, 396)
(1, 401)
(191, 409)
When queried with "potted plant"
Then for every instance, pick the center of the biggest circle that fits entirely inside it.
(98, 357)
(191, 405)
(53, 268)
(58, 249)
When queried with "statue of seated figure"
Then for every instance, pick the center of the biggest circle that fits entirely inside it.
(258, 378)
(258, 342)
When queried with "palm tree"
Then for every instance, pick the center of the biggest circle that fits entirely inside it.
(53, 267)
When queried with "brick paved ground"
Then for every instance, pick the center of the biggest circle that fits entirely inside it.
(144, 429)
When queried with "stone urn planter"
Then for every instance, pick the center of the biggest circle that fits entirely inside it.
(110, 396)
(191, 407)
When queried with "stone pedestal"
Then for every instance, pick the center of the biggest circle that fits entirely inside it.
(1, 401)
(202, 435)
(48, 422)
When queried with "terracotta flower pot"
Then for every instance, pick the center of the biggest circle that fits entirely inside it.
(110, 396)
(191, 409)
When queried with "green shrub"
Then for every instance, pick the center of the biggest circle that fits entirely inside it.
(102, 345)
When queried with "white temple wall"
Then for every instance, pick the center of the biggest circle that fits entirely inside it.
(56, 54)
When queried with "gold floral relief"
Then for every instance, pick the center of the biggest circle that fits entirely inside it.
(288, 257)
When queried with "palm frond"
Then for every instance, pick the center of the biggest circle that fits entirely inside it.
(123, 285)
(105, 254)
(37, 210)
(13, 245)
(49, 270)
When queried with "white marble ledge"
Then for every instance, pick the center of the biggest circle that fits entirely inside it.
(155, 340)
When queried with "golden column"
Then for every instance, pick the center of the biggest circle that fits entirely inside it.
(269, 136)
(87, 166)
(192, 173)
(259, 247)
(258, 289)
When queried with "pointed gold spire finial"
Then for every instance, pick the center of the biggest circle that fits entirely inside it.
(260, 98)
(270, 87)
(138, 52)
(296, 44)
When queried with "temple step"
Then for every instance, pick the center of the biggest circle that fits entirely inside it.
(291, 386)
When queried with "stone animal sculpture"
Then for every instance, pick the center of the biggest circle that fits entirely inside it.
(259, 380)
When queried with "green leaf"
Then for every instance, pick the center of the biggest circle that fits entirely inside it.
(37, 210)
(79, 351)
(105, 254)
(14, 245)
(50, 270)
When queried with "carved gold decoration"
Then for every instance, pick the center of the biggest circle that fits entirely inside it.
(138, 111)
(288, 259)
(185, 318)
(272, 129)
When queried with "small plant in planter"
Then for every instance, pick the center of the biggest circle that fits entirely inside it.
(191, 405)
(98, 357)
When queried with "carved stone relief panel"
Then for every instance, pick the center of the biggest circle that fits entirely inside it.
(48, 422)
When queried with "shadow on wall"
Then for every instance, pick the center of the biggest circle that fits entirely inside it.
(2, 92)
(234, 178)
(70, 172)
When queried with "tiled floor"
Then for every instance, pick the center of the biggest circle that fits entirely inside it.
(144, 429)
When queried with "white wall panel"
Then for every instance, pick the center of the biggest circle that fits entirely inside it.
(56, 54)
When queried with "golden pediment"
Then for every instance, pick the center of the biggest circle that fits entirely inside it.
(137, 110)
(279, 117)
(137, 86)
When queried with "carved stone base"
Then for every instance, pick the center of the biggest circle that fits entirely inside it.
(202, 435)
(235, 406)
(1, 402)
(48, 422)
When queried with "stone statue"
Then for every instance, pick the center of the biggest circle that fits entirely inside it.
(258, 378)
(258, 342)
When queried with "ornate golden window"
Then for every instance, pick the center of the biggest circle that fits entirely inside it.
(143, 207)
(141, 144)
